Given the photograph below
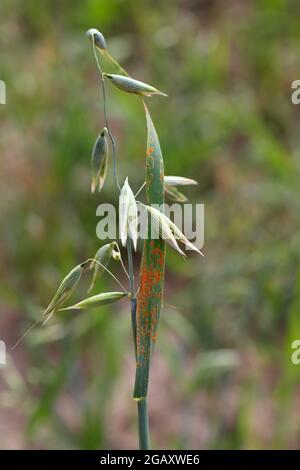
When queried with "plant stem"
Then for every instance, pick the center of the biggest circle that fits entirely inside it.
(132, 292)
(143, 424)
(130, 266)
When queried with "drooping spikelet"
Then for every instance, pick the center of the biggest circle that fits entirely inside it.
(131, 85)
(102, 259)
(96, 37)
(99, 161)
(97, 300)
(66, 288)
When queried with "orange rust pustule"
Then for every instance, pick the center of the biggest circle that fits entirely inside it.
(150, 150)
(151, 278)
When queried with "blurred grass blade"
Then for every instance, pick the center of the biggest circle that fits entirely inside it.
(152, 268)
(131, 85)
(103, 255)
(97, 301)
(212, 366)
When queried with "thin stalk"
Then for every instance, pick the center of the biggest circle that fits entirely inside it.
(109, 272)
(130, 266)
(110, 134)
(27, 331)
(106, 118)
(121, 260)
(133, 323)
(141, 188)
(123, 266)
(114, 62)
(131, 289)
(143, 424)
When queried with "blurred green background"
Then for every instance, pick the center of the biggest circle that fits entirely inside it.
(221, 375)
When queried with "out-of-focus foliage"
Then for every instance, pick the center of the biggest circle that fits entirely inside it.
(222, 375)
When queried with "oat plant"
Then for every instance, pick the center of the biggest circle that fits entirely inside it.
(146, 298)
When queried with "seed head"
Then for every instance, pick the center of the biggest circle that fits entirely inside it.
(128, 214)
(116, 255)
(97, 300)
(66, 288)
(96, 37)
(103, 256)
(133, 86)
(99, 161)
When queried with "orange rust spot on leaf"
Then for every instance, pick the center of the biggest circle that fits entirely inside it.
(150, 150)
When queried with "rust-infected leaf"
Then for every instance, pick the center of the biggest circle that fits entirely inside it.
(152, 268)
